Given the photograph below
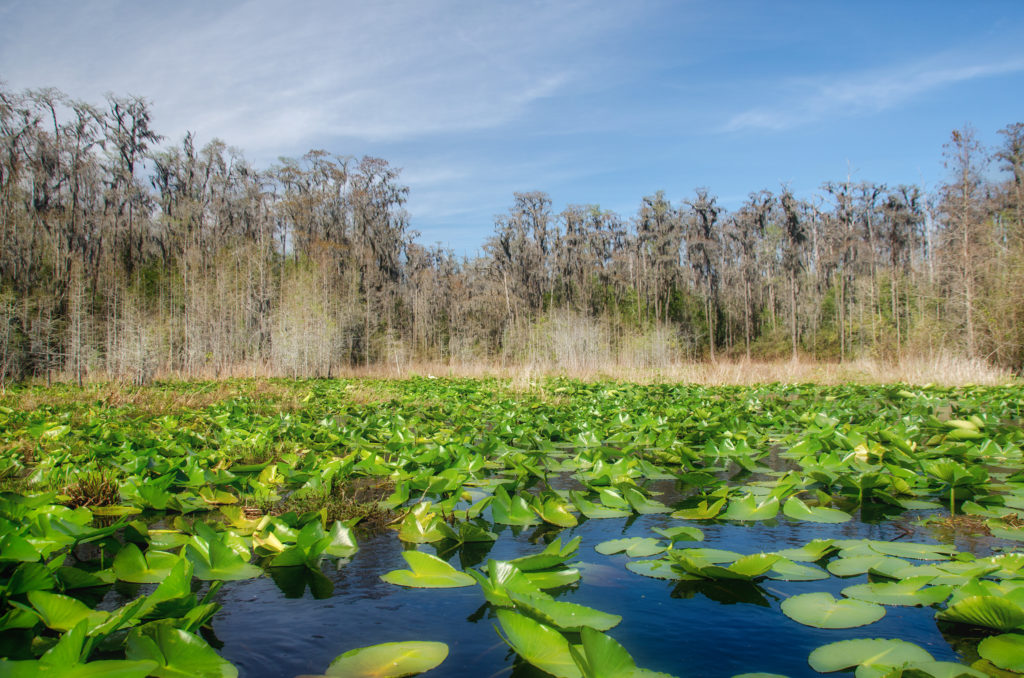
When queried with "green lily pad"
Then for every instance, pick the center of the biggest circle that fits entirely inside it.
(552, 579)
(909, 592)
(132, 565)
(657, 569)
(596, 511)
(1005, 651)
(713, 556)
(564, 616)
(176, 653)
(703, 511)
(912, 550)
(932, 669)
(810, 552)
(428, 572)
(634, 547)
(750, 509)
(822, 611)
(63, 613)
(601, 656)
(798, 510)
(538, 644)
(680, 533)
(218, 561)
(388, 660)
(987, 611)
(553, 554)
(786, 570)
(422, 526)
(846, 654)
(555, 511)
(849, 567)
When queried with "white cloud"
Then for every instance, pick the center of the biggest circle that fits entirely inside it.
(810, 100)
(269, 76)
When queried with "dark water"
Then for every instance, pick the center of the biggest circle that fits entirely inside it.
(683, 628)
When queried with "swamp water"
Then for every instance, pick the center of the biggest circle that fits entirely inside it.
(296, 621)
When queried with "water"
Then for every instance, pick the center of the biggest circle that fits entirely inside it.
(298, 624)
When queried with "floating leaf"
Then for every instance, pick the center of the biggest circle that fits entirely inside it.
(553, 510)
(901, 549)
(595, 511)
(932, 669)
(849, 567)
(703, 511)
(388, 660)
(750, 509)
(634, 547)
(501, 580)
(846, 654)
(658, 569)
(786, 570)
(176, 653)
(512, 510)
(63, 613)
(553, 554)
(810, 552)
(601, 656)
(798, 510)
(564, 616)
(132, 565)
(218, 561)
(1005, 651)
(427, 572)
(538, 644)
(822, 611)
(909, 592)
(988, 611)
(422, 526)
(552, 579)
(680, 533)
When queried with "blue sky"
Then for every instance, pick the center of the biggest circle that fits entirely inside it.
(593, 102)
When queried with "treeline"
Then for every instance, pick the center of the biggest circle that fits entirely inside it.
(122, 257)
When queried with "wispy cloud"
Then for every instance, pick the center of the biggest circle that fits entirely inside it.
(810, 100)
(269, 75)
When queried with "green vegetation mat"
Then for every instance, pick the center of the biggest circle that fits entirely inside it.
(181, 487)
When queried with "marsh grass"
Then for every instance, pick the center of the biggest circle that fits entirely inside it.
(356, 498)
(92, 488)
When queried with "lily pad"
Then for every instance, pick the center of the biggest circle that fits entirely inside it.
(846, 654)
(429, 572)
(909, 592)
(1005, 651)
(987, 611)
(634, 547)
(810, 552)
(798, 510)
(132, 565)
(658, 569)
(388, 660)
(602, 656)
(564, 616)
(176, 653)
(538, 644)
(680, 533)
(786, 570)
(750, 509)
(849, 567)
(822, 611)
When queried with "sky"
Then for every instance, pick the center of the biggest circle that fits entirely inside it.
(592, 102)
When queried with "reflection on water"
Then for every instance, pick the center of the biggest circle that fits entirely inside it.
(296, 621)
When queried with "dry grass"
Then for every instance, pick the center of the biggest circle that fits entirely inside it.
(287, 395)
(941, 371)
(283, 395)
